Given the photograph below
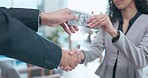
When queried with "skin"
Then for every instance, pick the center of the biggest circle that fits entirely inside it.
(80, 56)
(59, 17)
(69, 60)
(128, 11)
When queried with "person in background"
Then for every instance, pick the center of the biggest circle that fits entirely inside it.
(19, 40)
(8, 71)
(124, 36)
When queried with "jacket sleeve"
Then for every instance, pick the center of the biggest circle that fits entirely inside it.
(29, 17)
(20, 42)
(137, 55)
(95, 49)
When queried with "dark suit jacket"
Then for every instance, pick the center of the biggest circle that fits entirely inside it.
(18, 38)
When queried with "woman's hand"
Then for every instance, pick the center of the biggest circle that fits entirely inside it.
(102, 21)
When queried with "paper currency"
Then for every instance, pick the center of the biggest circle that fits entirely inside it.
(82, 18)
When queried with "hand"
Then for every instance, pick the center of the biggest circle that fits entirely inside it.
(59, 17)
(103, 21)
(78, 52)
(80, 55)
(69, 60)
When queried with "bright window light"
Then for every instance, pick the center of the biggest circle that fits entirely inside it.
(96, 6)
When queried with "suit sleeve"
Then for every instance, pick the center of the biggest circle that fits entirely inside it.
(137, 55)
(20, 42)
(96, 48)
(29, 17)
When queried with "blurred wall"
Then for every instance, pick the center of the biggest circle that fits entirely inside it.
(53, 5)
(19, 3)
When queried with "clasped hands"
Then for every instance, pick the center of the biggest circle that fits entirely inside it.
(70, 59)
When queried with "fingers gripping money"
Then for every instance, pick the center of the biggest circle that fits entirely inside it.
(82, 18)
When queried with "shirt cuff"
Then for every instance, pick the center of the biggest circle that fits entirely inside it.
(39, 19)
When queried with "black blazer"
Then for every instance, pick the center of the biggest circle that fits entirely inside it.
(18, 38)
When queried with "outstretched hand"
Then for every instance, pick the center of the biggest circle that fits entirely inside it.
(59, 17)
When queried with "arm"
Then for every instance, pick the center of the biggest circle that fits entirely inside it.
(18, 41)
(94, 51)
(29, 17)
(137, 55)
(96, 48)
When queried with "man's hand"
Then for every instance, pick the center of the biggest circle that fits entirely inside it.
(80, 57)
(59, 17)
(69, 60)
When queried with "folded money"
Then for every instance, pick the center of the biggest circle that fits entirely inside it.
(82, 18)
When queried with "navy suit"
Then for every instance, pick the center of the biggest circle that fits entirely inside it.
(18, 38)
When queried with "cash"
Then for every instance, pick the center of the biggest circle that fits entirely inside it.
(82, 18)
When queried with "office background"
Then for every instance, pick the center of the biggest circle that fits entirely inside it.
(78, 40)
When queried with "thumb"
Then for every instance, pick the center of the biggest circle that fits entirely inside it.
(72, 17)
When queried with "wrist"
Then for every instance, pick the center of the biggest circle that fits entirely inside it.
(64, 57)
(39, 18)
(116, 38)
(43, 18)
(82, 55)
(113, 33)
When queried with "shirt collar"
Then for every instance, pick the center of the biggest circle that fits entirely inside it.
(131, 20)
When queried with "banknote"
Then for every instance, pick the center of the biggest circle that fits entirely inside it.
(82, 18)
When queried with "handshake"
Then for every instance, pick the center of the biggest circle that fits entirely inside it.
(70, 59)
